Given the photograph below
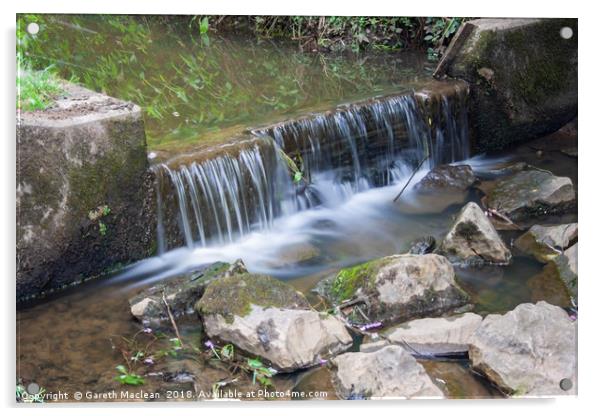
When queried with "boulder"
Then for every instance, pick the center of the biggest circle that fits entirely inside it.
(528, 351)
(435, 336)
(447, 178)
(387, 373)
(546, 242)
(396, 288)
(268, 318)
(85, 197)
(564, 267)
(522, 75)
(531, 193)
(180, 293)
(472, 240)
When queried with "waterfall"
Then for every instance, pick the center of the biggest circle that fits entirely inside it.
(356, 146)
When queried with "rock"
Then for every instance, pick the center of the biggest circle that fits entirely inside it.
(522, 75)
(546, 242)
(85, 197)
(397, 288)
(268, 318)
(181, 293)
(571, 151)
(374, 345)
(423, 245)
(564, 267)
(447, 178)
(473, 241)
(435, 336)
(294, 255)
(527, 351)
(531, 193)
(387, 373)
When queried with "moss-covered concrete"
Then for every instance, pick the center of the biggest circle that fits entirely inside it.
(233, 296)
(85, 196)
(523, 78)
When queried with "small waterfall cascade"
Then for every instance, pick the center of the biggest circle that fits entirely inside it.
(350, 149)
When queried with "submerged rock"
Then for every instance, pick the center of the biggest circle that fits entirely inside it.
(181, 293)
(564, 267)
(528, 351)
(387, 373)
(447, 178)
(473, 240)
(294, 255)
(268, 318)
(397, 288)
(531, 193)
(434, 336)
(423, 245)
(546, 242)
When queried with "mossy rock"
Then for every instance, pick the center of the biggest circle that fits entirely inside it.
(396, 288)
(234, 295)
(523, 78)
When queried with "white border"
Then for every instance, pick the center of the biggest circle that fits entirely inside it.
(590, 205)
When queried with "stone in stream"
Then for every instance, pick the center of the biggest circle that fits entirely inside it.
(181, 293)
(544, 242)
(522, 75)
(472, 240)
(531, 193)
(435, 336)
(387, 373)
(266, 317)
(447, 178)
(396, 288)
(528, 351)
(423, 245)
(564, 267)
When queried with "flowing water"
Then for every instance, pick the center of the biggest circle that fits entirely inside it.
(245, 201)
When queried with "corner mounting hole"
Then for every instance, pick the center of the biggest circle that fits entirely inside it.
(33, 28)
(566, 32)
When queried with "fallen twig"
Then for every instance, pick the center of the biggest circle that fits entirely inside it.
(173, 321)
(410, 179)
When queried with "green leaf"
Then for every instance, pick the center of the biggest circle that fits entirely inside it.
(204, 25)
(298, 177)
(254, 363)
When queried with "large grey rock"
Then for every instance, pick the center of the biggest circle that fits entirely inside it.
(527, 351)
(546, 242)
(397, 288)
(522, 75)
(472, 240)
(427, 336)
(387, 373)
(268, 318)
(180, 293)
(531, 193)
(447, 178)
(85, 202)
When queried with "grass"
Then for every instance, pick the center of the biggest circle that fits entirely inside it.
(37, 90)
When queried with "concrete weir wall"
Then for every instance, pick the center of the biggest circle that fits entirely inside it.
(523, 77)
(85, 196)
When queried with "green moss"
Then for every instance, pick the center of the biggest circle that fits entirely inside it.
(349, 280)
(234, 295)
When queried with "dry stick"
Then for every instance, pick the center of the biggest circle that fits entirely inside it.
(409, 180)
(173, 321)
